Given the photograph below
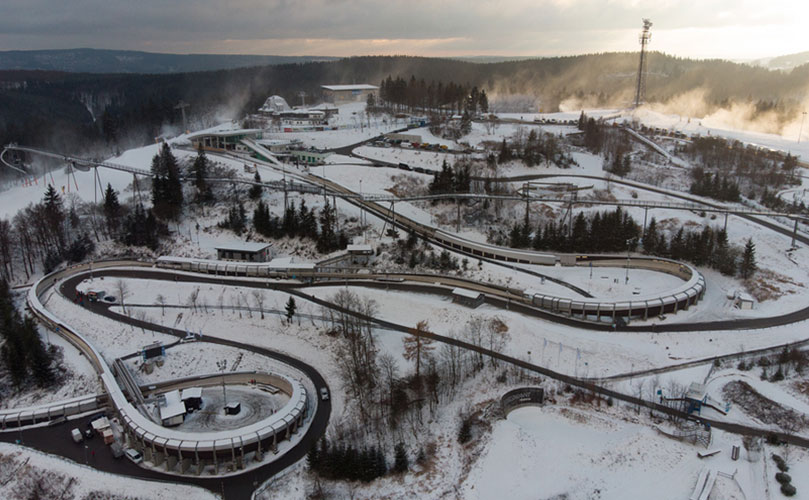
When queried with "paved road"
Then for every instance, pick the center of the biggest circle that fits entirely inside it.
(57, 439)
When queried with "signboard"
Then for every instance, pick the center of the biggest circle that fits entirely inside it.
(153, 351)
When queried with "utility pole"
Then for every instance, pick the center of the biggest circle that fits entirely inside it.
(222, 366)
(181, 106)
(644, 39)
(801, 131)
(302, 95)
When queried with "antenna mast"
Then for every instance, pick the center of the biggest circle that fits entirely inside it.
(181, 106)
(644, 39)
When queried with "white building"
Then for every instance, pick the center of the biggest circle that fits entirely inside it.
(338, 94)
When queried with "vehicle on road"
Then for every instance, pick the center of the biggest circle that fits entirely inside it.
(133, 455)
(77, 437)
(324, 394)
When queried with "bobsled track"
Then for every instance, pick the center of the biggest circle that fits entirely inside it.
(163, 442)
(189, 451)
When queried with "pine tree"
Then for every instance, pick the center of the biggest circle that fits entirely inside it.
(400, 461)
(112, 210)
(290, 309)
(200, 171)
(748, 267)
(255, 189)
(327, 240)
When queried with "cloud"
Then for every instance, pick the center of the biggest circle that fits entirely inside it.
(347, 27)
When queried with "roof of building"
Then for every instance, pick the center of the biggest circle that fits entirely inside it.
(360, 248)
(191, 392)
(275, 104)
(469, 294)
(233, 405)
(244, 246)
(227, 133)
(696, 391)
(174, 406)
(101, 423)
(361, 86)
(746, 297)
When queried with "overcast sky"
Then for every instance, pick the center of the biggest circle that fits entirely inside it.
(733, 29)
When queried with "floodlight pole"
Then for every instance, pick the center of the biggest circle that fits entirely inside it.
(222, 366)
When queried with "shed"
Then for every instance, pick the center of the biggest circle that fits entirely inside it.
(744, 301)
(245, 251)
(173, 412)
(467, 298)
(233, 408)
(192, 398)
(360, 254)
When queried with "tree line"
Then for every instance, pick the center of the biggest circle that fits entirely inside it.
(23, 353)
(708, 184)
(616, 231)
(435, 97)
(300, 222)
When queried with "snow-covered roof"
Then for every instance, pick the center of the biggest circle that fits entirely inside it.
(227, 133)
(361, 86)
(695, 391)
(101, 423)
(191, 392)
(174, 406)
(275, 104)
(746, 297)
(360, 248)
(244, 246)
(469, 294)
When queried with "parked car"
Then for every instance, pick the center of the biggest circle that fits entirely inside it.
(110, 299)
(324, 394)
(133, 455)
(77, 437)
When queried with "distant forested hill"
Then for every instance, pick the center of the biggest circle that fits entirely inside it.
(130, 61)
(78, 111)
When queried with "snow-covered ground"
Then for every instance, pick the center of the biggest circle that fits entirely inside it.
(22, 467)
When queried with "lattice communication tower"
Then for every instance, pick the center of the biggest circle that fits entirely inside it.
(644, 38)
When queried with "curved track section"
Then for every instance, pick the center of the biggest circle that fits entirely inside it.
(217, 446)
(682, 297)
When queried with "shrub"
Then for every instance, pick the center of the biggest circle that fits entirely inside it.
(465, 432)
(782, 465)
(788, 490)
(783, 477)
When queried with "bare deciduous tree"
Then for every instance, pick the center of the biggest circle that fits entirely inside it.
(260, 298)
(160, 300)
(123, 292)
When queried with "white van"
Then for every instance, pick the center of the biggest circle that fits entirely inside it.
(134, 455)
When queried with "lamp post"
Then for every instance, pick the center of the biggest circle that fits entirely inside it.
(628, 243)
(222, 366)
(800, 133)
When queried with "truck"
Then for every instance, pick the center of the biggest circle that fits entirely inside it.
(77, 436)
(117, 450)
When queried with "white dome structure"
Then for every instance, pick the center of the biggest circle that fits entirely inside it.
(275, 104)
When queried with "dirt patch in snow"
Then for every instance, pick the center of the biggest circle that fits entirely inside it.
(762, 408)
(769, 285)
